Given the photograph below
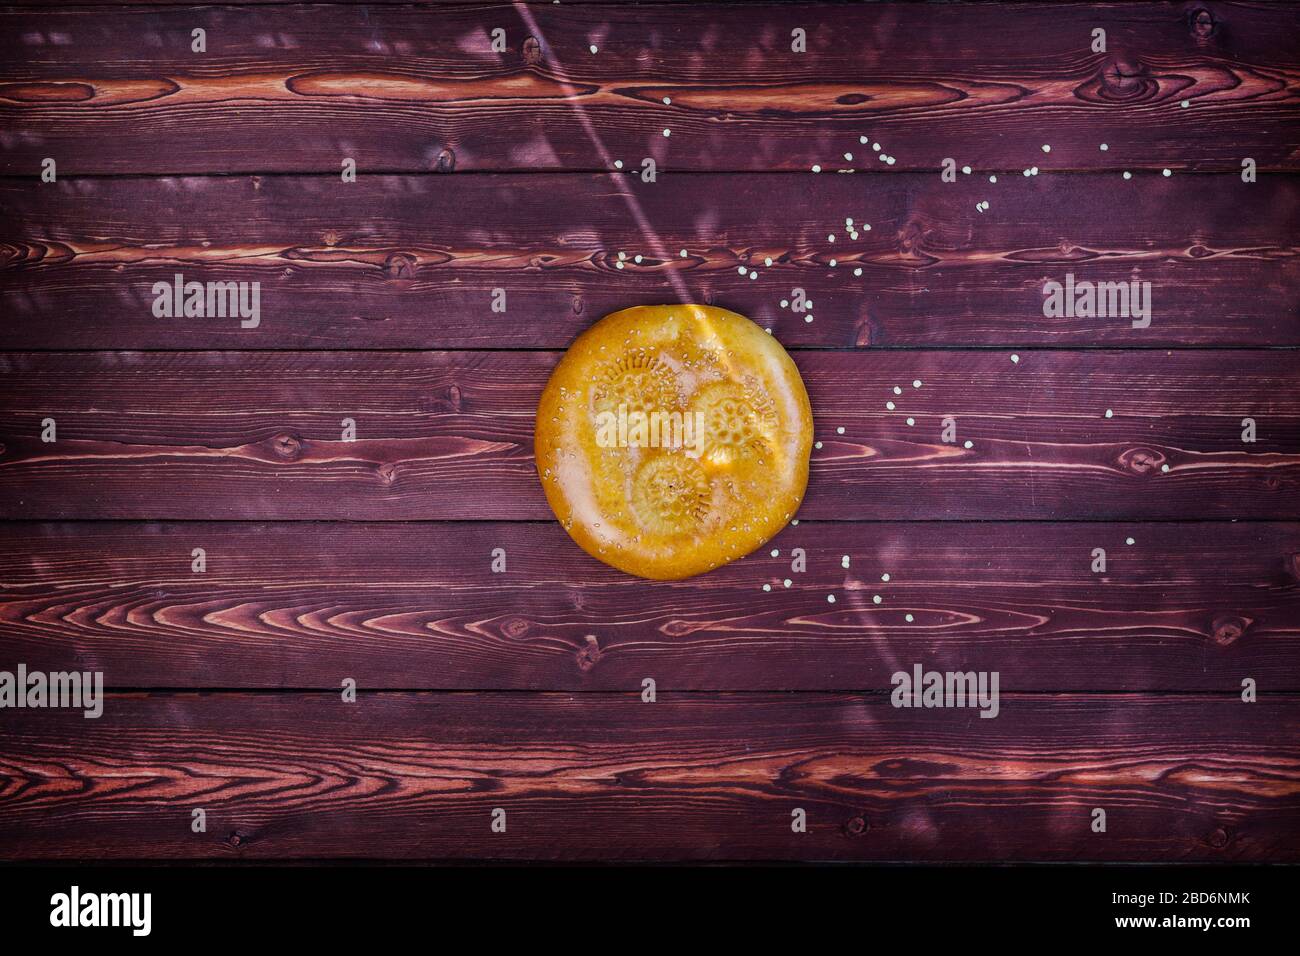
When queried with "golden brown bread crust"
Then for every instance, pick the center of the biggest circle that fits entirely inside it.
(672, 439)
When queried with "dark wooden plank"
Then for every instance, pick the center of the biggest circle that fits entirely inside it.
(688, 777)
(413, 262)
(443, 435)
(410, 89)
(1189, 606)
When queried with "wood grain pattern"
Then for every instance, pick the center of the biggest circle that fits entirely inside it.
(1189, 606)
(405, 90)
(688, 777)
(445, 435)
(413, 262)
(329, 559)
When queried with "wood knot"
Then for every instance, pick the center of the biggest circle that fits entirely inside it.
(1218, 838)
(400, 265)
(856, 827)
(863, 332)
(446, 161)
(532, 51)
(1202, 24)
(589, 653)
(577, 305)
(1121, 81)
(236, 839)
(1226, 628)
(1141, 461)
(910, 236)
(387, 473)
(287, 446)
(514, 628)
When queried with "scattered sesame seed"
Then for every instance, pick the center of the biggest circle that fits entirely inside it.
(916, 383)
(1167, 172)
(593, 48)
(637, 260)
(876, 147)
(795, 522)
(890, 160)
(1129, 541)
(830, 237)
(897, 390)
(786, 582)
(848, 156)
(840, 430)
(784, 303)
(844, 561)
(668, 101)
(1184, 104)
(876, 598)
(1033, 170)
(834, 263)
(683, 253)
(776, 553)
(817, 445)
(993, 179)
(970, 444)
(966, 170)
(910, 619)
(1046, 148)
(741, 270)
(619, 265)
(1103, 147)
(1127, 174)
(1164, 468)
(889, 405)
(830, 599)
(866, 227)
(816, 168)
(618, 164)
(1109, 413)
(622, 255)
(667, 132)
(1026, 173)
(911, 421)
(857, 272)
(885, 576)
(753, 275)
(767, 587)
(1015, 358)
(767, 261)
(863, 140)
(808, 318)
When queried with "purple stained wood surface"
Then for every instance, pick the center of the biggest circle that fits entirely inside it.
(281, 89)
(1051, 607)
(328, 560)
(417, 262)
(691, 776)
(447, 435)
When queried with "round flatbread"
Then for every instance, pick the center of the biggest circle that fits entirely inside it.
(672, 439)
